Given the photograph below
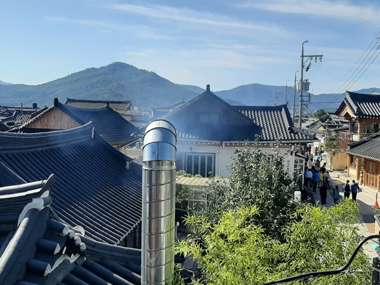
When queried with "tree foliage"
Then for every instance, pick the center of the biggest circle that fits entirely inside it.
(321, 115)
(257, 179)
(237, 251)
(251, 231)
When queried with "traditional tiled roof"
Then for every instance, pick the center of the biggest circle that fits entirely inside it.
(361, 105)
(245, 129)
(108, 123)
(368, 147)
(94, 187)
(20, 117)
(275, 123)
(118, 106)
(40, 250)
(329, 124)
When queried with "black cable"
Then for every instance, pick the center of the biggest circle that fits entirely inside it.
(324, 273)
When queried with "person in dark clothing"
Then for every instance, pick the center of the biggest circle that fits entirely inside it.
(336, 195)
(323, 193)
(347, 189)
(354, 190)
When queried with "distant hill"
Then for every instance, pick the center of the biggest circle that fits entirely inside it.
(4, 83)
(121, 81)
(117, 81)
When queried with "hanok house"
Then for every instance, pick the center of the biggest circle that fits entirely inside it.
(96, 186)
(210, 130)
(138, 116)
(364, 161)
(37, 247)
(108, 123)
(363, 113)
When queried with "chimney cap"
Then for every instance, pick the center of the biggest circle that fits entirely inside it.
(208, 87)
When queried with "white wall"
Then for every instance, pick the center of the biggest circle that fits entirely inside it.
(223, 155)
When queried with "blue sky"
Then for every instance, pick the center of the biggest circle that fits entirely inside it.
(198, 42)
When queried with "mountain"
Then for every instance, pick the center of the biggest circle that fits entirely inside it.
(121, 81)
(117, 81)
(4, 83)
(262, 95)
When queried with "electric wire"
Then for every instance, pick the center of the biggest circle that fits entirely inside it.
(366, 68)
(354, 73)
(325, 273)
(332, 88)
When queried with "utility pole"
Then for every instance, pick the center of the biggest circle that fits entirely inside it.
(294, 95)
(275, 96)
(302, 85)
(286, 93)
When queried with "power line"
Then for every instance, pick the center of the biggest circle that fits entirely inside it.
(332, 88)
(366, 68)
(354, 73)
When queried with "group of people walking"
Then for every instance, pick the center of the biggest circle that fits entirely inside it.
(318, 177)
(350, 188)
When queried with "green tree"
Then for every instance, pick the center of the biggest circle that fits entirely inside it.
(237, 251)
(257, 180)
(321, 115)
(332, 147)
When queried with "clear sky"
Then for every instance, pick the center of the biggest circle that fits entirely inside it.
(198, 42)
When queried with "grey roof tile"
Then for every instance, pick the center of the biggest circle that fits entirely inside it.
(93, 188)
(361, 105)
(368, 147)
(275, 123)
(42, 251)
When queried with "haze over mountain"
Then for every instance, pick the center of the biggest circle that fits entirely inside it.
(121, 81)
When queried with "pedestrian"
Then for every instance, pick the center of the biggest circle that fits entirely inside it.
(323, 168)
(336, 195)
(309, 164)
(323, 193)
(308, 178)
(321, 178)
(354, 190)
(347, 189)
(327, 179)
(315, 180)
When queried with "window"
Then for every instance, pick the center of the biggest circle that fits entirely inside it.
(353, 162)
(209, 118)
(200, 163)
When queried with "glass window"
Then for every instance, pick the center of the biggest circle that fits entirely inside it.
(202, 164)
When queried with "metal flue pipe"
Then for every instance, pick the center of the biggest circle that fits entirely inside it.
(158, 203)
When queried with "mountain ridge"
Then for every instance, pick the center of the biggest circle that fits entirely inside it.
(122, 81)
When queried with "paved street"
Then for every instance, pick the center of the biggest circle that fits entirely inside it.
(366, 199)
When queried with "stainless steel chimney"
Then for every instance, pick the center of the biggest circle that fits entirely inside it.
(158, 203)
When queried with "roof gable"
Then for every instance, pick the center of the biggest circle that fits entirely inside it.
(360, 105)
(210, 118)
(108, 123)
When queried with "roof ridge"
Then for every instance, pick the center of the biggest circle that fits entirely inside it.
(27, 141)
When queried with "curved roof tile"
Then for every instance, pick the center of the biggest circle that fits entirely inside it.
(93, 188)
